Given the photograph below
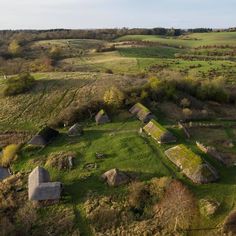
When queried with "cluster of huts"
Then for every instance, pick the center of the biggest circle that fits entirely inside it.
(40, 187)
(193, 166)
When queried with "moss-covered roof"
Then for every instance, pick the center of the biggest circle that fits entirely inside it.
(142, 107)
(189, 160)
(142, 112)
(193, 165)
(158, 132)
(101, 112)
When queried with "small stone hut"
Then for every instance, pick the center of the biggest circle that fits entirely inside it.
(115, 177)
(102, 117)
(40, 187)
(43, 137)
(75, 130)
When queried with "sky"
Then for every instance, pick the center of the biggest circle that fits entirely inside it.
(90, 14)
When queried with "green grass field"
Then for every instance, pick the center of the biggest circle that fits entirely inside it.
(127, 150)
(120, 140)
(190, 41)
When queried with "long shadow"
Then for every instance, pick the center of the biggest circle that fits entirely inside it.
(60, 84)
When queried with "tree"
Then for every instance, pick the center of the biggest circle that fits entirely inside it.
(19, 84)
(14, 48)
(114, 97)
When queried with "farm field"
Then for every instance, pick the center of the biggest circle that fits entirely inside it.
(89, 75)
(192, 40)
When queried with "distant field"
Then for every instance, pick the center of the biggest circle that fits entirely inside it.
(191, 40)
(79, 43)
(149, 52)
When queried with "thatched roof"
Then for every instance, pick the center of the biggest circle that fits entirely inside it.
(115, 177)
(102, 117)
(159, 133)
(192, 165)
(75, 130)
(44, 137)
(142, 113)
(4, 173)
(40, 187)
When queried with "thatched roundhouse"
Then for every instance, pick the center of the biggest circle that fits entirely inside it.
(40, 187)
(102, 118)
(115, 177)
(192, 165)
(159, 133)
(75, 130)
(141, 112)
(4, 173)
(44, 136)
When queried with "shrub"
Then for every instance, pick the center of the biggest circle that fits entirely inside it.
(138, 196)
(114, 98)
(9, 154)
(60, 160)
(27, 218)
(14, 48)
(168, 88)
(108, 71)
(104, 218)
(18, 85)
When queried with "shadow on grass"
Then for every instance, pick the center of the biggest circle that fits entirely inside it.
(79, 189)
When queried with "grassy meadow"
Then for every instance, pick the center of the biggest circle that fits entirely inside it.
(83, 75)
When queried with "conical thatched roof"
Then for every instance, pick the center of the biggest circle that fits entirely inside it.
(44, 137)
(159, 133)
(115, 177)
(142, 112)
(40, 187)
(102, 117)
(75, 130)
(192, 165)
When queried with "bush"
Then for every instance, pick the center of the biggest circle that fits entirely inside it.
(205, 90)
(114, 98)
(14, 48)
(104, 218)
(138, 196)
(9, 154)
(108, 71)
(18, 85)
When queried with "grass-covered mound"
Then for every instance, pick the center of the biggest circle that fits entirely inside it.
(192, 165)
(159, 133)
